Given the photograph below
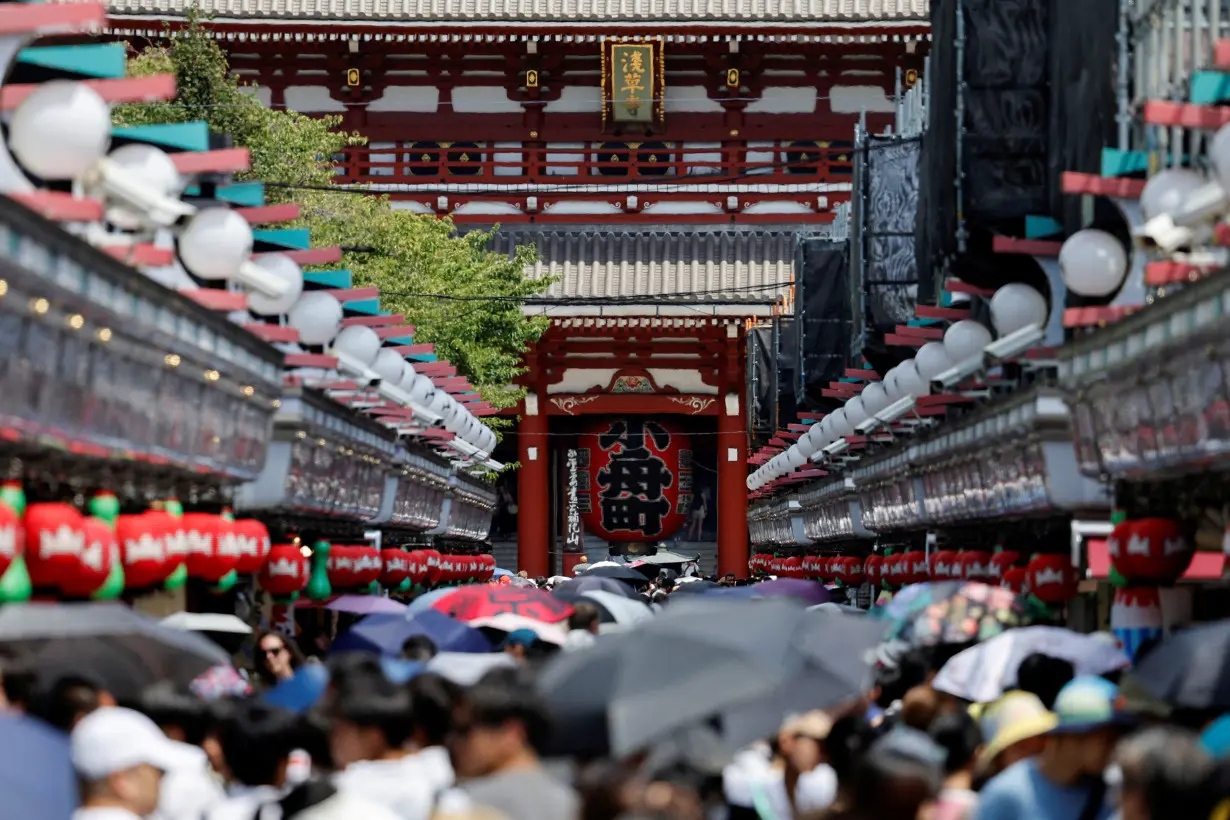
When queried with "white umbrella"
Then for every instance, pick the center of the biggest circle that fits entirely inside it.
(207, 622)
(466, 668)
(625, 611)
(984, 672)
(580, 569)
(508, 622)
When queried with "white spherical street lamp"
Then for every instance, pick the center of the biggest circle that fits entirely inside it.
(61, 130)
(359, 343)
(931, 360)
(1093, 263)
(1166, 191)
(966, 339)
(284, 269)
(317, 316)
(1016, 306)
(216, 244)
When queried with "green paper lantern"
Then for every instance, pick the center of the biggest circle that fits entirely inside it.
(106, 506)
(318, 587)
(12, 494)
(1117, 517)
(113, 587)
(177, 578)
(1116, 580)
(15, 586)
(174, 507)
(373, 588)
(404, 586)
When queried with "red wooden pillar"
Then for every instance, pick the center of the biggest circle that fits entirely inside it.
(732, 487)
(533, 491)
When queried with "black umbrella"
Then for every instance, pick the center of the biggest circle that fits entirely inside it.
(1190, 669)
(122, 649)
(618, 573)
(698, 661)
(695, 587)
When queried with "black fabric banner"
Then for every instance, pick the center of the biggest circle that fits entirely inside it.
(822, 318)
(762, 380)
(890, 271)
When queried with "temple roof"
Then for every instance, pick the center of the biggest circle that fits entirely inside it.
(646, 12)
(747, 271)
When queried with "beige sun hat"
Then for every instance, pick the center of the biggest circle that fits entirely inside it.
(1014, 717)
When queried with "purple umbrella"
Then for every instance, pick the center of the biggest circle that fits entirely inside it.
(809, 592)
(365, 604)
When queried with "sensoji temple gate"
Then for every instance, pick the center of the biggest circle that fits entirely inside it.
(665, 157)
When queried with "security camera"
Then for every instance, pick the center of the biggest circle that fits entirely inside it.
(124, 189)
(837, 447)
(1012, 345)
(868, 425)
(401, 397)
(896, 410)
(355, 370)
(958, 373)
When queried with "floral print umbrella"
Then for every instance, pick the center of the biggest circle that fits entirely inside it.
(952, 612)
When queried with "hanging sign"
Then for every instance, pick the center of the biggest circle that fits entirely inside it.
(572, 523)
(640, 479)
(632, 82)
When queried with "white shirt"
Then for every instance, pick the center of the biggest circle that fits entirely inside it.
(242, 802)
(578, 639)
(404, 785)
(752, 773)
(104, 813)
(190, 790)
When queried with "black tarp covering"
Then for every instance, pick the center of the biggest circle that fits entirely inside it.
(890, 267)
(762, 380)
(822, 318)
(1038, 79)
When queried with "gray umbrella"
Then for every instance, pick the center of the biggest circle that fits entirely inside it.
(123, 649)
(700, 660)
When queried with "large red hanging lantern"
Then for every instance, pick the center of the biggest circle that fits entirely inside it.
(1052, 579)
(171, 529)
(431, 559)
(367, 564)
(252, 542)
(1001, 561)
(640, 481)
(55, 538)
(974, 565)
(341, 566)
(143, 549)
(793, 567)
(943, 565)
(890, 570)
(98, 556)
(394, 566)
(872, 567)
(12, 537)
(912, 567)
(1150, 551)
(852, 570)
(211, 546)
(285, 571)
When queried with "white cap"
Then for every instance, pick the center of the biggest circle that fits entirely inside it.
(113, 739)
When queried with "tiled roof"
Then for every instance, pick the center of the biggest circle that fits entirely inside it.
(554, 11)
(677, 265)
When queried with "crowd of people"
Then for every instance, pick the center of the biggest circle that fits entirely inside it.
(370, 737)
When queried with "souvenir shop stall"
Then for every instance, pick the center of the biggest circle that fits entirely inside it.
(183, 406)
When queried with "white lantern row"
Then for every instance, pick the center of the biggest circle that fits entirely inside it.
(1014, 307)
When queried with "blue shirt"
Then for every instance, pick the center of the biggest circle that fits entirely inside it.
(1021, 792)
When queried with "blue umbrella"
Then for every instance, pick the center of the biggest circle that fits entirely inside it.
(300, 693)
(500, 572)
(424, 601)
(36, 770)
(385, 634)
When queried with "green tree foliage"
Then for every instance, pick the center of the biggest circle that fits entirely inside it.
(460, 297)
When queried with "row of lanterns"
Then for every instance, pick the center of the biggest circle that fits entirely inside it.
(1050, 578)
(54, 548)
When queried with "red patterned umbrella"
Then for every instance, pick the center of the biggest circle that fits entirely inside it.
(487, 600)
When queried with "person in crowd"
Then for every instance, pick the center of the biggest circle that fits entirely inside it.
(120, 757)
(277, 658)
(958, 735)
(582, 626)
(189, 791)
(499, 727)
(432, 700)
(700, 511)
(1044, 676)
(419, 648)
(518, 644)
(1013, 728)
(1165, 773)
(69, 698)
(257, 741)
(1067, 779)
(897, 779)
(371, 726)
(18, 683)
(788, 779)
(920, 706)
(848, 741)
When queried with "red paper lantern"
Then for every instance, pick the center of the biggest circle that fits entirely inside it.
(448, 568)
(212, 551)
(341, 566)
(98, 555)
(889, 569)
(394, 566)
(639, 467)
(285, 572)
(1002, 561)
(55, 538)
(252, 542)
(432, 559)
(367, 565)
(943, 565)
(974, 565)
(1015, 579)
(488, 567)
(852, 570)
(171, 529)
(143, 549)
(12, 537)
(793, 567)
(1052, 579)
(417, 566)
(1150, 551)
(872, 567)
